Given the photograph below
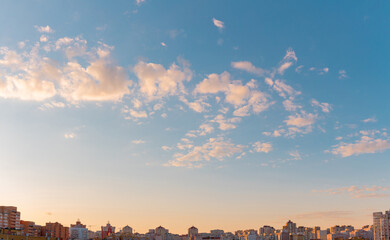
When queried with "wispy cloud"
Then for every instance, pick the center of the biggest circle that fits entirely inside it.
(353, 191)
(370, 120)
(325, 214)
(219, 24)
(138, 141)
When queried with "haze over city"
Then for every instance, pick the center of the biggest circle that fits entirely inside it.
(216, 114)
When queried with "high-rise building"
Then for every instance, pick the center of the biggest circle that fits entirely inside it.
(381, 225)
(290, 227)
(9, 218)
(78, 231)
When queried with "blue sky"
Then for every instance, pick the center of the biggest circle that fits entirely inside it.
(195, 112)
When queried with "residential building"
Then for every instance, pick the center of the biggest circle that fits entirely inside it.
(56, 230)
(9, 217)
(78, 231)
(381, 225)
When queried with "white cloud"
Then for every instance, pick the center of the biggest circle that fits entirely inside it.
(198, 105)
(51, 105)
(166, 148)
(100, 81)
(44, 29)
(219, 24)
(282, 88)
(21, 44)
(138, 141)
(137, 114)
(139, 1)
(163, 44)
(288, 60)
(363, 146)
(295, 155)
(156, 82)
(262, 147)
(249, 67)
(325, 107)
(353, 191)
(290, 106)
(370, 120)
(214, 148)
(43, 38)
(214, 83)
(225, 124)
(27, 76)
(69, 135)
(301, 119)
(342, 74)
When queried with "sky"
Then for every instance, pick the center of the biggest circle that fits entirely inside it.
(218, 114)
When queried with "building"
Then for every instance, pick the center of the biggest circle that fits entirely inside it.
(56, 230)
(290, 227)
(161, 233)
(127, 230)
(78, 231)
(9, 218)
(107, 231)
(30, 229)
(381, 225)
(192, 233)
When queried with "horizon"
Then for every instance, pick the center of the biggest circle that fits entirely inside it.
(218, 114)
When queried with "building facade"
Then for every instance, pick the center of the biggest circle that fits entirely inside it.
(9, 217)
(78, 231)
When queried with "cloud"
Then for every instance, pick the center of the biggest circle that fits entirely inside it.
(166, 148)
(325, 214)
(356, 192)
(198, 105)
(288, 60)
(139, 1)
(295, 155)
(163, 44)
(325, 107)
(51, 105)
(69, 135)
(138, 141)
(27, 76)
(44, 29)
(370, 120)
(225, 124)
(219, 24)
(43, 38)
(136, 114)
(214, 83)
(249, 67)
(262, 147)
(156, 82)
(100, 81)
(365, 145)
(342, 74)
(301, 120)
(243, 97)
(214, 148)
(290, 106)
(282, 88)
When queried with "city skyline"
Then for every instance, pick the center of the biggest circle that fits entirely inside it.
(217, 114)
